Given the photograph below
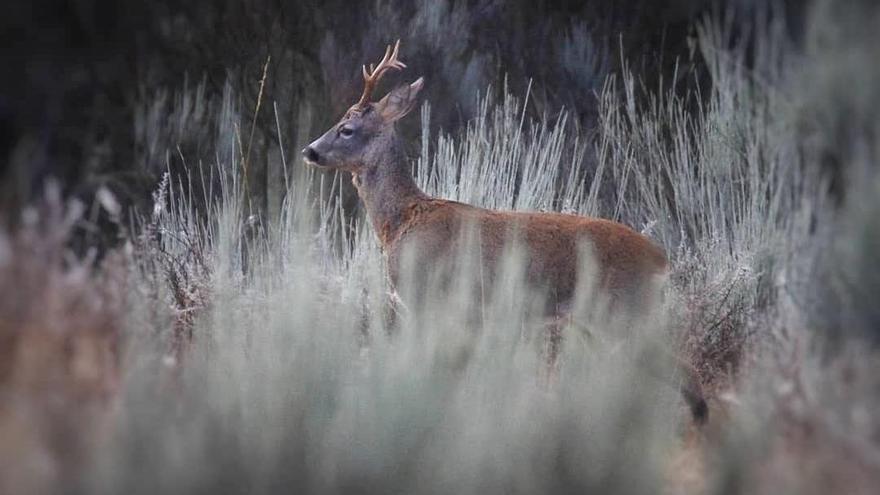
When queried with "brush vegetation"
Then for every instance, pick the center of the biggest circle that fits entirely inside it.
(225, 348)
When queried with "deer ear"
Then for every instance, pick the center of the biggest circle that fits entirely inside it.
(400, 101)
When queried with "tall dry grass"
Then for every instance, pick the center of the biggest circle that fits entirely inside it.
(258, 354)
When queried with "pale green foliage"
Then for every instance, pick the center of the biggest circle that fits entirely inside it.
(295, 381)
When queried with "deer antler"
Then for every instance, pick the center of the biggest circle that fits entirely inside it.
(371, 78)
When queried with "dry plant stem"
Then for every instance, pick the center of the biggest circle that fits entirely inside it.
(247, 154)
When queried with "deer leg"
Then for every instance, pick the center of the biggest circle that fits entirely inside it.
(394, 310)
(690, 386)
(692, 391)
(552, 330)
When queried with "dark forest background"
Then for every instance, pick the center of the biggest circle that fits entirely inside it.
(88, 86)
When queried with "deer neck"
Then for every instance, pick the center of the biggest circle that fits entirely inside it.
(388, 191)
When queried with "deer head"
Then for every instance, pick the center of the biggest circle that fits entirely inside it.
(366, 131)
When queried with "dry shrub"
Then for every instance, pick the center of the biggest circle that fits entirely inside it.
(60, 321)
(173, 251)
(714, 310)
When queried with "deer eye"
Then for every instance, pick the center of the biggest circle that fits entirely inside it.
(346, 131)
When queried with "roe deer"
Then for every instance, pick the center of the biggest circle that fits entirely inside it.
(365, 143)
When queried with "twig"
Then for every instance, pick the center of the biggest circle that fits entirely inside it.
(247, 155)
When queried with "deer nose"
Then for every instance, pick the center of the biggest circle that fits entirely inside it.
(310, 154)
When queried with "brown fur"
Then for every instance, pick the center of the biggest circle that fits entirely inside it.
(627, 261)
